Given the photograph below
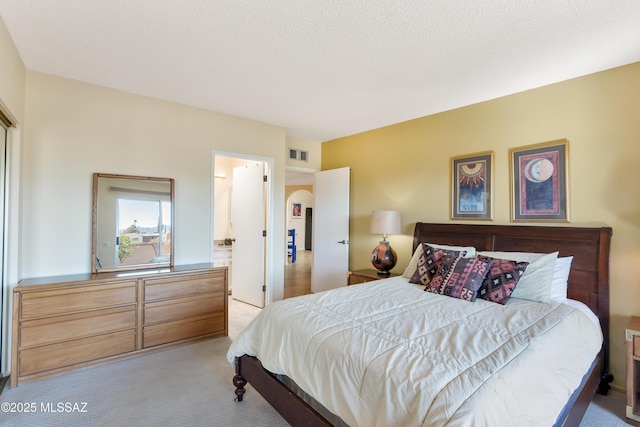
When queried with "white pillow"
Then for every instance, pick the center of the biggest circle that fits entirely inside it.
(413, 264)
(513, 256)
(560, 278)
(586, 310)
(535, 283)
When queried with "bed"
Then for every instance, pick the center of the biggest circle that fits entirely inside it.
(352, 400)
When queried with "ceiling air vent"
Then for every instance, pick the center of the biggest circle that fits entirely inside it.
(296, 154)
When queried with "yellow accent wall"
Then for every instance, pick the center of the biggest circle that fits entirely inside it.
(406, 167)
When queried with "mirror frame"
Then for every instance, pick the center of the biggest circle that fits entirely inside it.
(94, 225)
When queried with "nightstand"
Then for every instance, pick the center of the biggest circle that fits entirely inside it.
(633, 368)
(367, 275)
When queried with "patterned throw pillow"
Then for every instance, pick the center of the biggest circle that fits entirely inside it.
(501, 280)
(428, 263)
(459, 277)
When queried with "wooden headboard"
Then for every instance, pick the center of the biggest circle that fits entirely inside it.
(589, 277)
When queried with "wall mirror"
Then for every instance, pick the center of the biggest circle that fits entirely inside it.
(132, 222)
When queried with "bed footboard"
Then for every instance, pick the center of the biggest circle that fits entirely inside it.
(292, 408)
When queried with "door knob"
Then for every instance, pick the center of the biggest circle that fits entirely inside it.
(343, 242)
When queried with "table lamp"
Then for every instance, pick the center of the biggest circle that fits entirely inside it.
(383, 257)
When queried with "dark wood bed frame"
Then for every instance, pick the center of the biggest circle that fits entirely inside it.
(588, 283)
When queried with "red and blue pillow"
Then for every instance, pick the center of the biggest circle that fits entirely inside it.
(459, 277)
(429, 262)
(501, 279)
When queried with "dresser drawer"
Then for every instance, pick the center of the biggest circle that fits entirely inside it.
(74, 299)
(162, 333)
(44, 358)
(173, 287)
(64, 323)
(174, 309)
(62, 328)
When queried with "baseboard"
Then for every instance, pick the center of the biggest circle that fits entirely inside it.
(618, 389)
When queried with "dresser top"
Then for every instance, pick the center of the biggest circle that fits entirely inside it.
(133, 274)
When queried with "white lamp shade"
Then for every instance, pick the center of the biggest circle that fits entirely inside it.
(385, 222)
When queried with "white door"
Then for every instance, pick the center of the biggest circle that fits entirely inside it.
(330, 244)
(248, 225)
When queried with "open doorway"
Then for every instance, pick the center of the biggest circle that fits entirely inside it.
(299, 227)
(299, 211)
(240, 210)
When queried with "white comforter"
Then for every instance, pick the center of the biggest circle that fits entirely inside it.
(386, 353)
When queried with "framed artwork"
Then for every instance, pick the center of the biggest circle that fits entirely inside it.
(539, 182)
(296, 210)
(472, 186)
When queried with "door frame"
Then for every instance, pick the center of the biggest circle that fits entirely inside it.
(269, 249)
(11, 238)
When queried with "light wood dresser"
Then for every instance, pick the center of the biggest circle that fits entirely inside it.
(66, 323)
(633, 370)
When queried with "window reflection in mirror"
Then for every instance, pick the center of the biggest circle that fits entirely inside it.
(133, 222)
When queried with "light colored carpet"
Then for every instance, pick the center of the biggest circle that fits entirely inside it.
(606, 411)
(188, 386)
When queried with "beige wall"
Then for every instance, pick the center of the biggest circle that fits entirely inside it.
(406, 167)
(313, 149)
(13, 76)
(74, 129)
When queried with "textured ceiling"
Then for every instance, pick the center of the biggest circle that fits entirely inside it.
(324, 69)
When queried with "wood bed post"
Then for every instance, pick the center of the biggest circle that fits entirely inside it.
(239, 381)
(603, 304)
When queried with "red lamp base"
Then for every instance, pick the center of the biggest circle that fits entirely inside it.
(384, 258)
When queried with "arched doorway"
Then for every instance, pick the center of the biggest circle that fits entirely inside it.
(299, 208)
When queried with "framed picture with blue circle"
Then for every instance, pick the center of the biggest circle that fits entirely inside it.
(539, 182)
